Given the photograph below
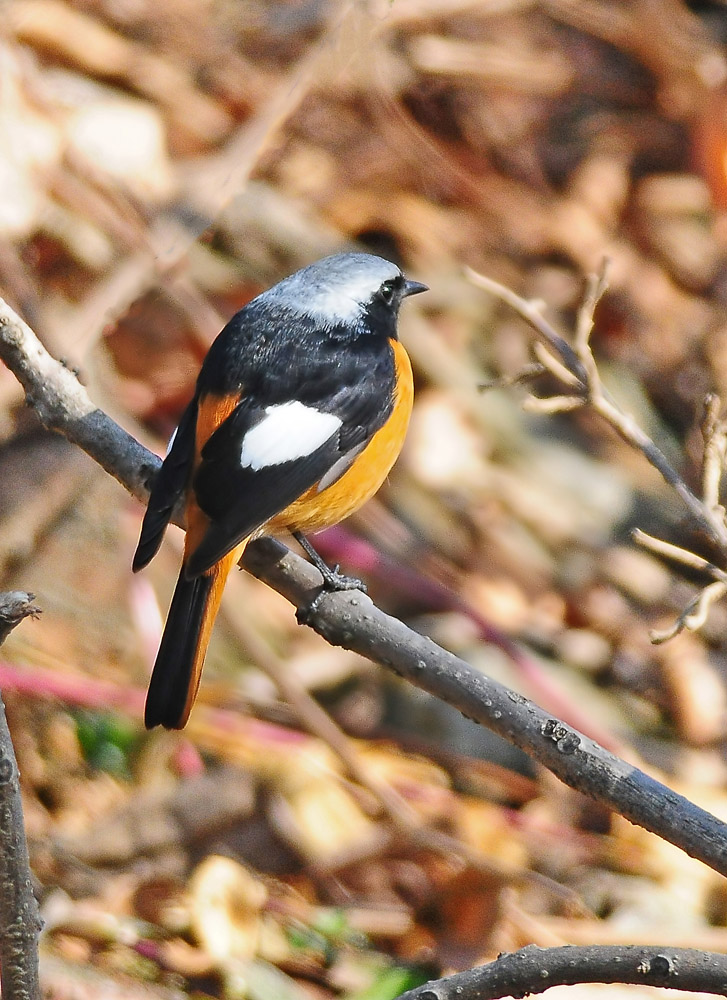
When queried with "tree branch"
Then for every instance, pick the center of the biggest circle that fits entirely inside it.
(576, 369)
(63, 405)
(534, 970)
(351, 620)
(580, 372)
(19, 920)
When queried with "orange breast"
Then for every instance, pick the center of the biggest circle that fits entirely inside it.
(313, 510)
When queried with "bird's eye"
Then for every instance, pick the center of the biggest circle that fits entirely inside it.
(388, 290)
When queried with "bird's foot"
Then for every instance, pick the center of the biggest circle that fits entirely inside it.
(333, 581)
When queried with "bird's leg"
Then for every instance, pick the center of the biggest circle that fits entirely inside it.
(332, 579)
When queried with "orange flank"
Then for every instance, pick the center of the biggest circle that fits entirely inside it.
(314, 511)
(213, 411)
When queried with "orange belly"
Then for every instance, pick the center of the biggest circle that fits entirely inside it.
(316, 510)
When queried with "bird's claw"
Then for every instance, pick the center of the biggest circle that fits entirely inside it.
(333, 581)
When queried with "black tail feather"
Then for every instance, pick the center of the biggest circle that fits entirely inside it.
(167, 700)
(167, 488)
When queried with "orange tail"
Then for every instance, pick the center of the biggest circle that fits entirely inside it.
(178, 667)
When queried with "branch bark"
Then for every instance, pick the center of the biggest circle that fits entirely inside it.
(534, 970)
(351, 620)
(63, 405)
(19, 920)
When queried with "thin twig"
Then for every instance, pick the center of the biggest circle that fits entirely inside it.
(531, 312)
(707, 520)
(596, 287)
(548, 360)
(19, 920)
(704, 518)
(714, 433)
(684, 556)
(553, 404)
(694, 615)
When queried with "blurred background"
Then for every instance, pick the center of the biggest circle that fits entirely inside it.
(160, 164)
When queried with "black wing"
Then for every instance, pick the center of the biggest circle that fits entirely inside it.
(169, 485)
(239, 499)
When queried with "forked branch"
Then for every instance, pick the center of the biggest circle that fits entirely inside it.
(575, 368)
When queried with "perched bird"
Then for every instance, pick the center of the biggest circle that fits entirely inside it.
(300, 410)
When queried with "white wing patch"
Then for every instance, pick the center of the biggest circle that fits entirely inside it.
(172, 439)
(287, 431)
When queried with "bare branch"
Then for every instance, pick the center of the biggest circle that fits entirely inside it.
(714, 433)
(534, 970)
(531, 312)
(19, 919)
(694, 615)
(684, 556)
(553, 404)
(579, 363)
(707, 514)
(62, 404)
(351, 620)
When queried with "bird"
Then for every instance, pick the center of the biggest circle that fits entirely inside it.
(300, 409)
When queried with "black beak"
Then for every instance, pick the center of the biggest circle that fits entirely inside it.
(414, 288)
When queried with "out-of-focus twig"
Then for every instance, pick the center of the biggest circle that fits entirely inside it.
(684, 556)
(714, 433)
(578, 364)
(694, 615)
(19, 919)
